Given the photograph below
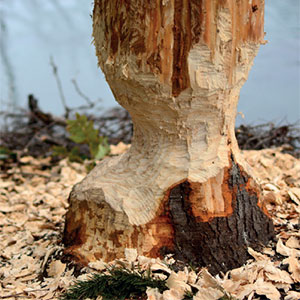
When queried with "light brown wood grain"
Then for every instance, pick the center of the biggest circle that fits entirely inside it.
(177, 66)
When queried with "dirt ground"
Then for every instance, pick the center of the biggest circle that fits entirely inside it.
(33, 202)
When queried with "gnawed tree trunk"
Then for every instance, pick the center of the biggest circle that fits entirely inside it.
(177, 66)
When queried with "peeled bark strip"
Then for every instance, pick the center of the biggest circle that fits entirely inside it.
(177, 66)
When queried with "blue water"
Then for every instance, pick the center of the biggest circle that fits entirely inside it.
(32, 31)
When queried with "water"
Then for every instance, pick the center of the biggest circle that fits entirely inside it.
(32, 31)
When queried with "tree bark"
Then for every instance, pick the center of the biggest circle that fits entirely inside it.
(177, 66)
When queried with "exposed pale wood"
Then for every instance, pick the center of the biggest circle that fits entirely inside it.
(177, 66)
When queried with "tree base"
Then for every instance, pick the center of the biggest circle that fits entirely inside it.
(221, 243)
(214, 237)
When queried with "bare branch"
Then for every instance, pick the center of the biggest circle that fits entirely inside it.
(80, 93)
(60, 89)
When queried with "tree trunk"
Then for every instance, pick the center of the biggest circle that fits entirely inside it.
(177, 66)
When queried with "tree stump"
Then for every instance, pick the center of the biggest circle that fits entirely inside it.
(177, 66)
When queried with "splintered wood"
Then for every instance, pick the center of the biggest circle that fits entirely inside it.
(33, 201)
(177, 67)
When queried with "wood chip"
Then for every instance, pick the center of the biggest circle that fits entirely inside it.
(32, 209)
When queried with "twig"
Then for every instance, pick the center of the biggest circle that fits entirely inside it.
(46, 257)
(80, 93)
(67, 109)
(35, 136)
(60, 89)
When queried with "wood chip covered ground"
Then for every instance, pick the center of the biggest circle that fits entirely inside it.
(33, 202)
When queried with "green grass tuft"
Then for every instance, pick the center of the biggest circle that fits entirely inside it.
(119, 284)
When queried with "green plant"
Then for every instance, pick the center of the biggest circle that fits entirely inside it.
(119, 284)
(82, 131)
(74, 154)
(5, 153)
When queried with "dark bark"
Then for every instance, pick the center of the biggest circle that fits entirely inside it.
(220, 244)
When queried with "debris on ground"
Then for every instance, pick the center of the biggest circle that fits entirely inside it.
(33, 132)
(269, 135)
(33, 202)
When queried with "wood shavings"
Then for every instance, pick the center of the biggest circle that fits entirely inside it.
(293, 242)
(208, 294)
(292, 295)
(130, 254)
(154, 294)
(56, 268)
(32, 208)
(284, 250)
(173, 294)
(32, 214)
(294, 265)
(258, 256)
(276, 172)
(266, 288)
(178, 283)
(119, 149)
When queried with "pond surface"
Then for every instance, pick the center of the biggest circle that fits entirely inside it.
(33, 31)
